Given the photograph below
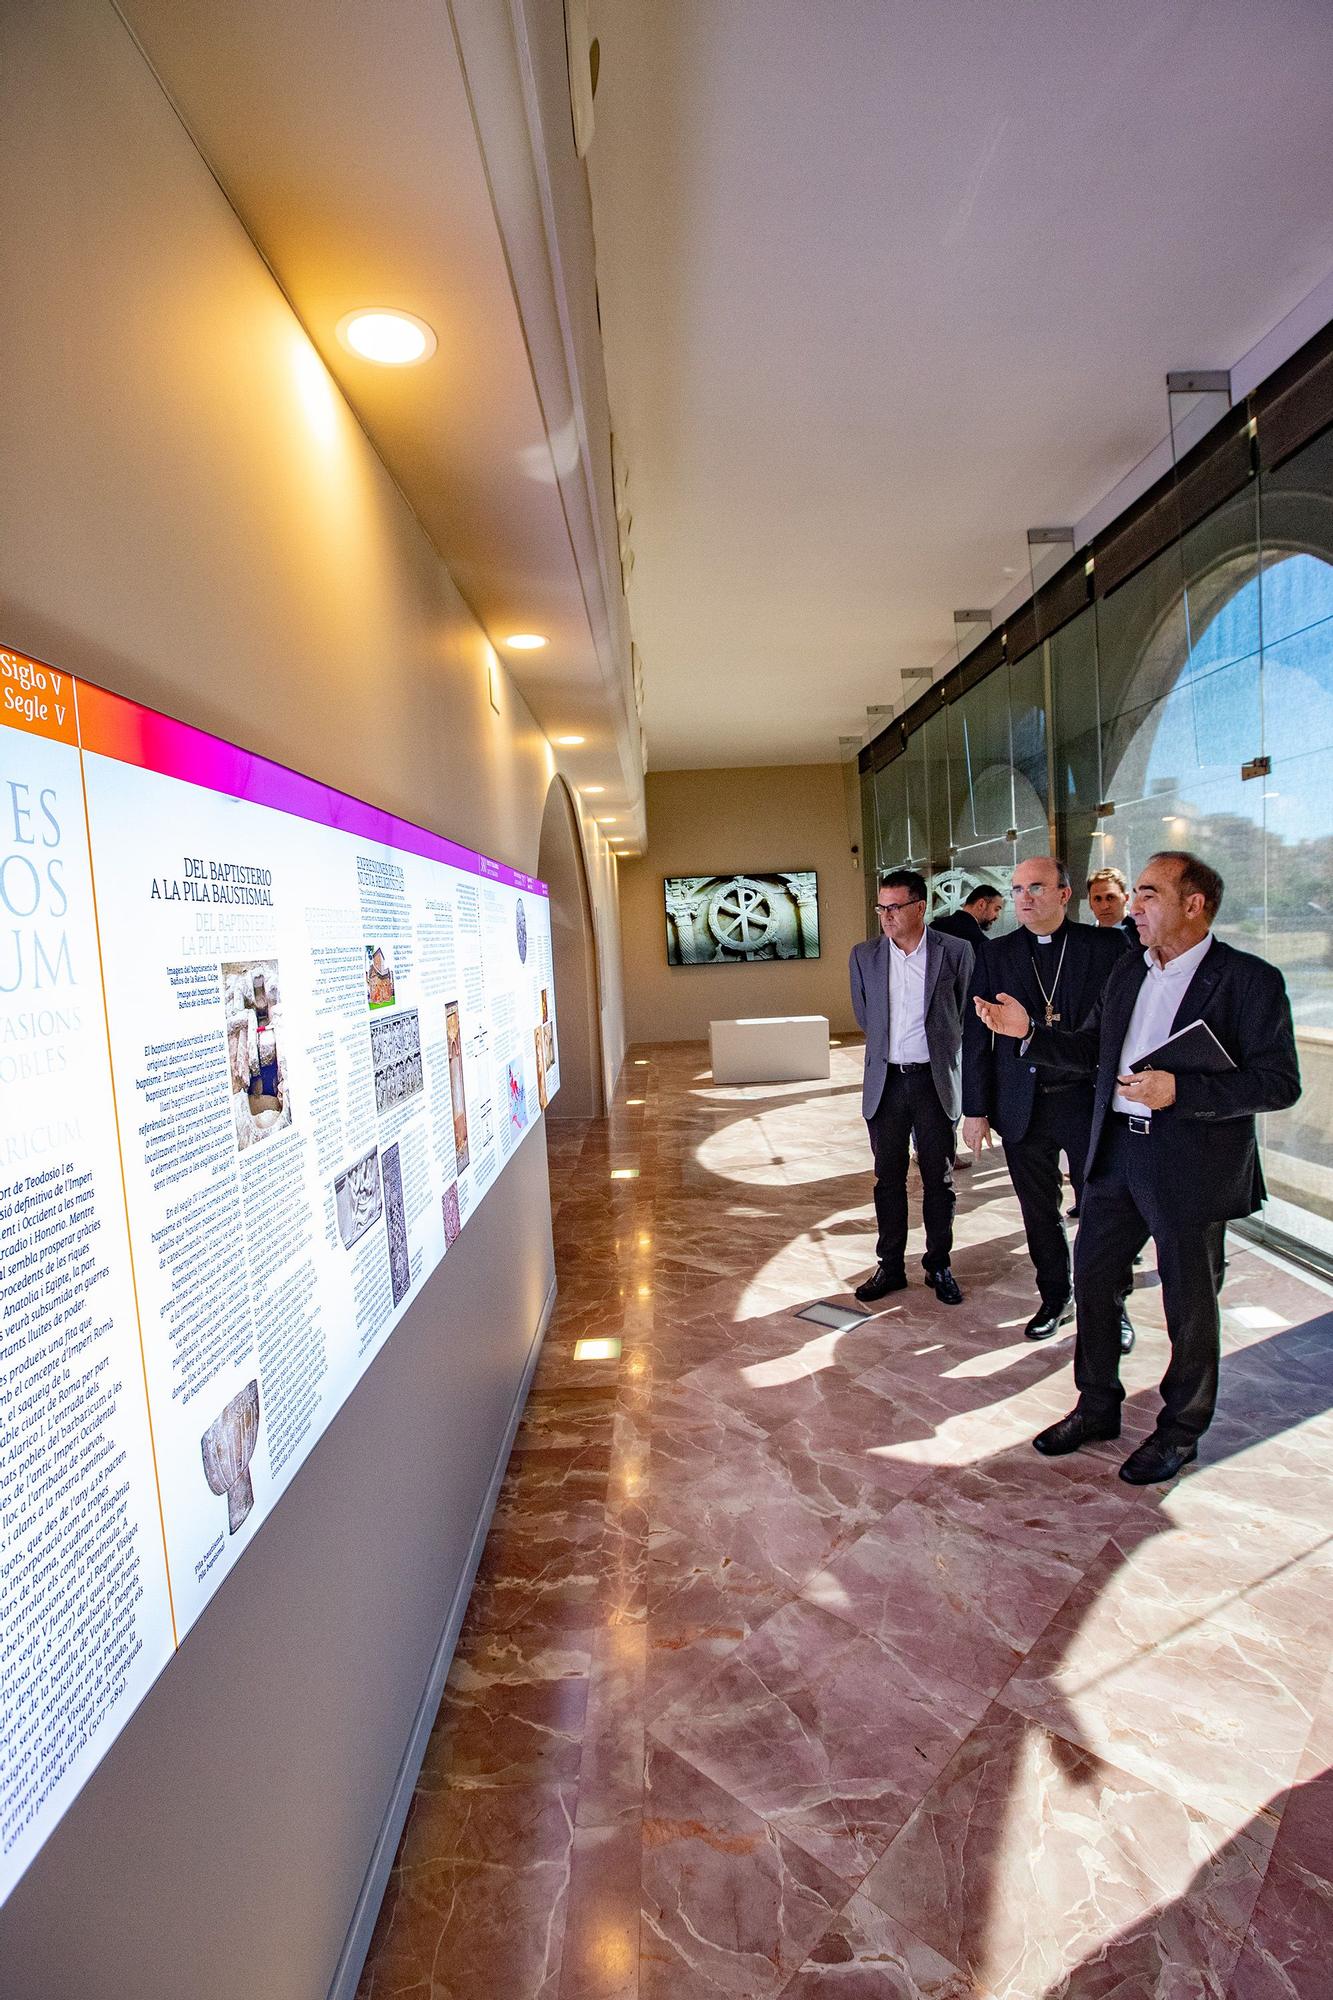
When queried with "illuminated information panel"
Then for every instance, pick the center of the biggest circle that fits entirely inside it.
(263, 1050)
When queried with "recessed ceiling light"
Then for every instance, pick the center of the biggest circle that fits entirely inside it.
(569, 742)
(393, 339)
(525, 642)
(611, 822)
(588, 790)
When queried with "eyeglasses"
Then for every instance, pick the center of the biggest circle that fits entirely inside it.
(892, 909)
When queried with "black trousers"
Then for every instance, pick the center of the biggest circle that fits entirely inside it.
(910, 1109)
(1061, 1122)
(1122, 1206)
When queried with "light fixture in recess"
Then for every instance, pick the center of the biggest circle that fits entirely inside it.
(607, 1349)
(525, 642)
(611, 820)
(589, 790)
(392, 339)
(570, 742)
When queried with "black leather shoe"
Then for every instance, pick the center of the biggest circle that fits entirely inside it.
(1070, 1433)
(1156, 1461)
(879, 1284)
(945, 1286)
(1048, 1320)
(1126, 1333)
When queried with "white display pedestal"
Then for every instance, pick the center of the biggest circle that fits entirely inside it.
(790, 1048)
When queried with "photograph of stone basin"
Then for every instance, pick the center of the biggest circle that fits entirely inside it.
(791, 1669)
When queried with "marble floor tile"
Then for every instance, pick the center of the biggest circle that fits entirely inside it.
(476, 1901)
(611, 1771)
(938, 1590)
(696, 1617)
(1216, 1716)
(1030, 1864)
(865, 1955)
(513, 1712)
(600, 1947)
(829, 1734)
(731, 1906)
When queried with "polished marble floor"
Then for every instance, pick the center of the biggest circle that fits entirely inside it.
(792, 1669)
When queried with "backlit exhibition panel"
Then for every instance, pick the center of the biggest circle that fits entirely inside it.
(263, 1049)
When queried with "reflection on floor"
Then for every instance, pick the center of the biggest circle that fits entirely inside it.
(791, 1668)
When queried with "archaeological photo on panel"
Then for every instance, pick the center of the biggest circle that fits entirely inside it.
(395, 1222)
(395, 1041)
(740, 919)
(357, 1197)
(256, 1049)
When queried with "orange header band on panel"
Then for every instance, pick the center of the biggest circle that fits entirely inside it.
(36, 698)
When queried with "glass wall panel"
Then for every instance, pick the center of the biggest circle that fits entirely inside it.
(1028, 734)
(1297, 613)
(981, 770)
(918, 794)
(893, 844)
(1075, 720)
(935, 736)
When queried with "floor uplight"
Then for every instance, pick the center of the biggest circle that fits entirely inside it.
(392, 339)
(597, 1350)
(624, 1173)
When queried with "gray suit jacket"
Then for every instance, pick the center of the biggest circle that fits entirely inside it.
(948, 973)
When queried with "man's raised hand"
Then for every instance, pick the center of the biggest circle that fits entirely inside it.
(1004, 1015)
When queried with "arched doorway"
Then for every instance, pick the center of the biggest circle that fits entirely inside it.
(574, 949)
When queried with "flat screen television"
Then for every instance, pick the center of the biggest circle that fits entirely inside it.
(740, 919)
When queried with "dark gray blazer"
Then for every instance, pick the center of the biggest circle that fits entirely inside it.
(948, 973)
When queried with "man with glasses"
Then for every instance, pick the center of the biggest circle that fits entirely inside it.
(909, 994)
(1057, 968)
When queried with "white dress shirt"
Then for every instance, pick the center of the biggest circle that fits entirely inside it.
(1155, 1009)
(907, 1004)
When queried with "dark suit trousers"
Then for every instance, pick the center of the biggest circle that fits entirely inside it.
(910, 1109)
(1061, 1122)
(1121, 1208)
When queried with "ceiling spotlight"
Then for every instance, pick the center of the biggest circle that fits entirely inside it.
(525, 642)
(393, 339)
(567, 742)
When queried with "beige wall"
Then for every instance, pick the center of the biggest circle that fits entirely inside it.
(190, 514)
(720, 822)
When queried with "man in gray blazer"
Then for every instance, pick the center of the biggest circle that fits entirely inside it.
(909, 993)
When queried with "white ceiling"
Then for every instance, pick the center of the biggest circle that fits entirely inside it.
(346, 137)
(884, 283)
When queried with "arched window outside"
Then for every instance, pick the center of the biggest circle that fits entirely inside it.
(1242, 694)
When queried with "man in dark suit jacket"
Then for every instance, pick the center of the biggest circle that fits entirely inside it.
(1057, 968)
(1171, 1157)
(973, 918)
(909, 994)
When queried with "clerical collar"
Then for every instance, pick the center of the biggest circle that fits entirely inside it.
(1040, 939)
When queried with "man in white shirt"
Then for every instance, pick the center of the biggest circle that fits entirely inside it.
(909, 990)
(1173, 1156)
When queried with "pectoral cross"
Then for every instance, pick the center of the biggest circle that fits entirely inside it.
(1051, 1016)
